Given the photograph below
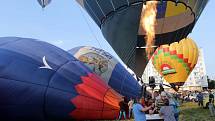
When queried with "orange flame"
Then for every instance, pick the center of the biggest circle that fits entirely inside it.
(148, 22)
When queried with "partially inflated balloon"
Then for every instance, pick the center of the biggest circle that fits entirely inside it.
(176, 61)
(105, 65)
(40, 82)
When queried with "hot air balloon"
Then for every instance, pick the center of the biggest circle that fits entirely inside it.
(40, 82)
(109, 69)
(176, 61)
(119, 21)
(44, 3)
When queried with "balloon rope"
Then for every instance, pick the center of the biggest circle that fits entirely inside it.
(89, 27)
(127, 55)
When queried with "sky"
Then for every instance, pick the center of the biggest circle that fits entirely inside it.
(65, 24)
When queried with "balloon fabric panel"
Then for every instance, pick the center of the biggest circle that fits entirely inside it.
(173, 10)
(110, 70)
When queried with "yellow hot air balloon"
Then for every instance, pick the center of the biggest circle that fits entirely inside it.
(176, 61)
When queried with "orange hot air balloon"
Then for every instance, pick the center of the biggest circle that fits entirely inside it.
(176, 61)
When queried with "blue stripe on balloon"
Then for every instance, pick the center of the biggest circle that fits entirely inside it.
(124, 83)
(161, 9)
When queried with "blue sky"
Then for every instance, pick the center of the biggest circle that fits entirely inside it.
(62, 23)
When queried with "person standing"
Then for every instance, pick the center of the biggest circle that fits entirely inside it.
(156, 96)
(159, 101)
(139, 110)
(130, 105)
(200, 99)
(153, 109)
(122, 106)
(167, 112)
(211, 97)
(174, 104)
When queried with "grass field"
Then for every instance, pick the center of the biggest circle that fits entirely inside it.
(192, 112)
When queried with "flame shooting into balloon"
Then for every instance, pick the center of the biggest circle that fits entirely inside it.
(148, 22)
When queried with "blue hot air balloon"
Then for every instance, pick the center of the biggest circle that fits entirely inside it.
(110, 70)
(40, 82)
(44, 3)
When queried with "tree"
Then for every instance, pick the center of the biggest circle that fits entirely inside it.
(211, 83)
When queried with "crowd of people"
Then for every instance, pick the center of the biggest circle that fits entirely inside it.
(209, 105)
(161, 103)
(197, 96)
(200, 97)
(164, 104)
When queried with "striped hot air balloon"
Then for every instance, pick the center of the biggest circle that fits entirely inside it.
(176, 61)
(44, 3)
(41, 82)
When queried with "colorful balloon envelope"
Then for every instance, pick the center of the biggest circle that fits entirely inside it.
(119, 21)
(40, 82)
(176, 61)
(110, 70)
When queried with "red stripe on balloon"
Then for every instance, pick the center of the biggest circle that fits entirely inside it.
(180, 56)
(173, 52)
(189, 65)
(156, 52)
(166, 49)
(96, 100)
(186, 60)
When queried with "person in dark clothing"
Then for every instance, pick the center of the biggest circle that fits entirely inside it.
(153, 110)
(130, 105)
(211, 97)
(200, 99)
(123, 107)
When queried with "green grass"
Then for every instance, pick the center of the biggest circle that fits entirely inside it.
(192, 112)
